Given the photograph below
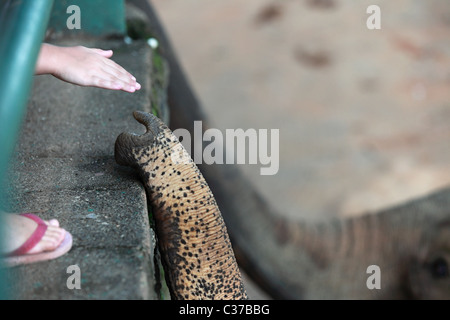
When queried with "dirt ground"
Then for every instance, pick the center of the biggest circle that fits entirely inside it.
(364, 115)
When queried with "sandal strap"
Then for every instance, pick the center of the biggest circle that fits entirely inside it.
(34, 238)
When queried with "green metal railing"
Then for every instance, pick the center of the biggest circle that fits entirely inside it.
(22, 28)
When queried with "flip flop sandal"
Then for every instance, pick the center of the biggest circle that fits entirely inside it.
(20, 256)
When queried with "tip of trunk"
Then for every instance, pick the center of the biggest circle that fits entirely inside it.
(127, 142)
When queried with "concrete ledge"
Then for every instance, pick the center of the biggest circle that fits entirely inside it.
(65, 169)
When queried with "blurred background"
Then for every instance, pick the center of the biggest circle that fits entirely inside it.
(364, 115)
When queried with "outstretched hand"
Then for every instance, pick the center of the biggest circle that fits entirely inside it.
(85, 67)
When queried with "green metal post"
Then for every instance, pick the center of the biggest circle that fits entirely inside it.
(23, 24)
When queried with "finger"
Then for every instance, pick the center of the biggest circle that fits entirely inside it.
(118, 68)
(120, 82)
(121, 75)
(118, 73)
(104, 53)
(112, 83)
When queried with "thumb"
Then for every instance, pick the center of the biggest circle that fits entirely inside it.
(105, 53)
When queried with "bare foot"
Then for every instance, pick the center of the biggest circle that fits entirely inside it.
(18, 229)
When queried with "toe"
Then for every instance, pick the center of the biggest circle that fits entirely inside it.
(53, 222)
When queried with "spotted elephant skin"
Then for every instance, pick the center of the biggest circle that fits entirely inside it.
(195, 247)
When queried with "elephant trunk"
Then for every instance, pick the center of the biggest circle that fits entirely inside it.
(193, 239)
